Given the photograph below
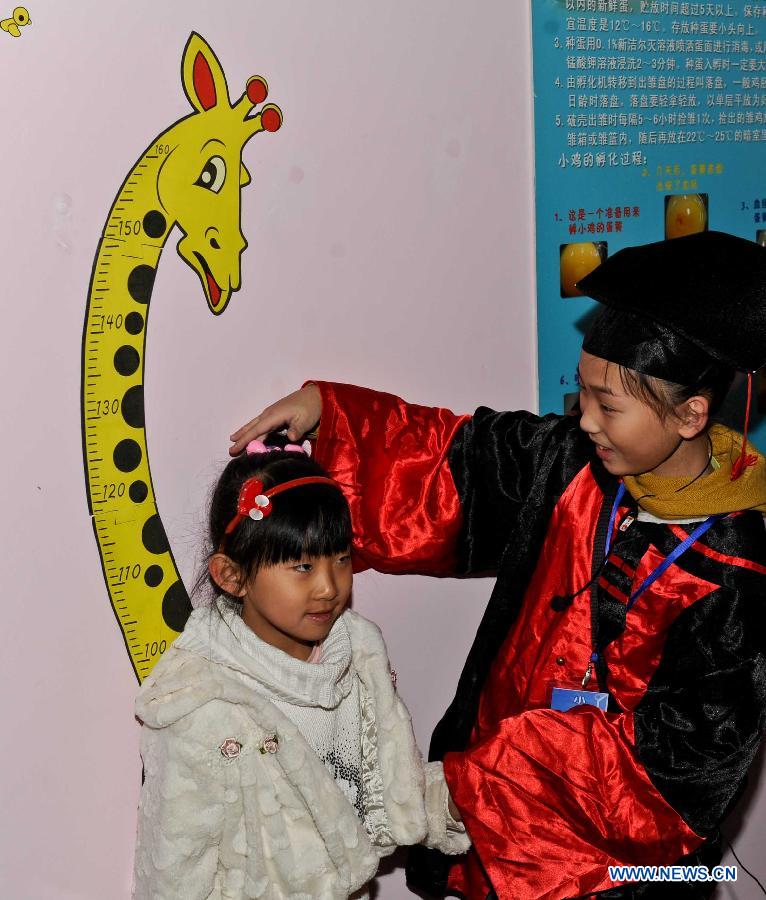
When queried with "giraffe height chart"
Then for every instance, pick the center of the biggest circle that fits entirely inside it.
(191, 176)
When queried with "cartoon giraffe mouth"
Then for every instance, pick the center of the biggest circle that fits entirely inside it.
(212, 285)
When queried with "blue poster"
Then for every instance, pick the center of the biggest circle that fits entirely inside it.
(650, 123)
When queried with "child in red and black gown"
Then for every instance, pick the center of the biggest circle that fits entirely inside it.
(615, 694)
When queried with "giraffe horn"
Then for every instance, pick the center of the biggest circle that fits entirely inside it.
(256, 92)
(268, 119)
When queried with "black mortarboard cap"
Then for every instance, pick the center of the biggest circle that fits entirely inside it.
(675, 306)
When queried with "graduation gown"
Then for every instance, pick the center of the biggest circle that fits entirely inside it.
(552, 799)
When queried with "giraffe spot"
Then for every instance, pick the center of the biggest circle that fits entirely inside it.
(133, 406)
(153, 535)
(138, 491)
(153, 576)
(134, 323)
(140, 283)
(176, 606)
(154, 224)
(126, 360)
(127, 455)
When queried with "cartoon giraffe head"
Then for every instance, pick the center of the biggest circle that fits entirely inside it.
(199, 182)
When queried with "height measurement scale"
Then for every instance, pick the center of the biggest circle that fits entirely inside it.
(135, 556)
(196, 167)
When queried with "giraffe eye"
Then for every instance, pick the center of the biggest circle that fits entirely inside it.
(213, 175)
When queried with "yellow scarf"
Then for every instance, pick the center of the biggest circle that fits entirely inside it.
(709, 495)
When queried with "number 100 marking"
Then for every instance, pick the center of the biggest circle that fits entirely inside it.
(154, 648)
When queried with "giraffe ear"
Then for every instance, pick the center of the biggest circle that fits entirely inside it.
(203, 79)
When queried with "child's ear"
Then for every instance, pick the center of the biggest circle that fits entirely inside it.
(226, 574)
(693, 415)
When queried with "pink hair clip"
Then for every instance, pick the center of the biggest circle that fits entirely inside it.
(260, 447)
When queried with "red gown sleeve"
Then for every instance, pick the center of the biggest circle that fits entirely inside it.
(435, 493)
(552, 799)
(390, 457)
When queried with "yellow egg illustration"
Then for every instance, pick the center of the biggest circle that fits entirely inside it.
(685, 214)
(577, 261)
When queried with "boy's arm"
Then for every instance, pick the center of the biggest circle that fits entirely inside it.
(390, 457)
(434, 492)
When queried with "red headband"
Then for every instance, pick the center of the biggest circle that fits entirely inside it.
(255, 503)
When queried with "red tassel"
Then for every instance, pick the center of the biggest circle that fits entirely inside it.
(745, 459)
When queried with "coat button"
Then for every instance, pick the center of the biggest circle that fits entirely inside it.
(560, 660)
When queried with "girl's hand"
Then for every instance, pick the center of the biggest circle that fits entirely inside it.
(453, 810)
(299, 412)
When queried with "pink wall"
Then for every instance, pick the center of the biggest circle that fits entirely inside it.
(390, 225)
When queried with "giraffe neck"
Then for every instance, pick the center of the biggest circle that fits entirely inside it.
(118, 305)
(134, 235)
(147, 594)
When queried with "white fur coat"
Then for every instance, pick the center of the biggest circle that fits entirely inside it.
(252, 824)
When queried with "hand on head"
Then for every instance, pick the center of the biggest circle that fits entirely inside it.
(299, 412)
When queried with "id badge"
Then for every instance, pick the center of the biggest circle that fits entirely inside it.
(564, 699)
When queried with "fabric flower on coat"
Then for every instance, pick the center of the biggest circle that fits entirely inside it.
(230, 749)
(270, 744)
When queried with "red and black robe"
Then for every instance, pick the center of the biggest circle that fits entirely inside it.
(551, 799)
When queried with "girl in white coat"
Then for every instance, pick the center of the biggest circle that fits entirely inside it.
(279, 761)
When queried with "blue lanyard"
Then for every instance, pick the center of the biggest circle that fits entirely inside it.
(613, 516)
(663, 566)
(669, 559)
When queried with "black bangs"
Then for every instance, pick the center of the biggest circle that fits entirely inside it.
(309, 520)
(312, 520)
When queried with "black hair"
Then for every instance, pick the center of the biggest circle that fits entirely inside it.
(306, 521)
(665, 396)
